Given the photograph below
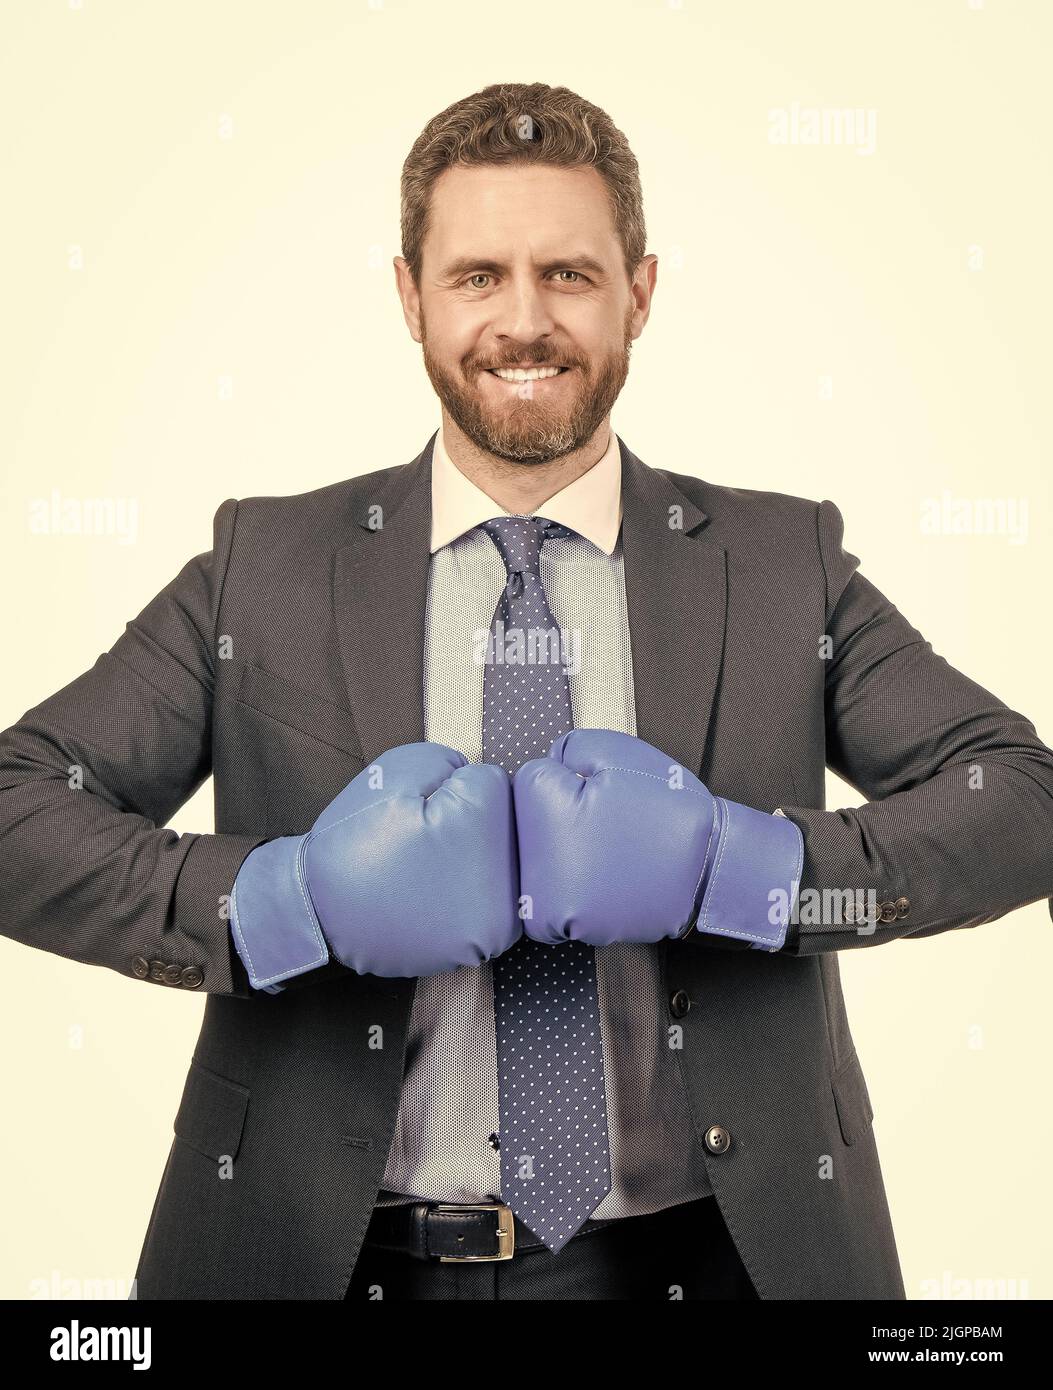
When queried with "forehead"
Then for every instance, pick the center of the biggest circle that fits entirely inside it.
(499, 209)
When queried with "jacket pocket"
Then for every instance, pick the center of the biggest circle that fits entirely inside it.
(290, 704)
(211, 1114)
(854, 1111)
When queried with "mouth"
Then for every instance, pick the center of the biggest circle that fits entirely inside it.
(516, 376)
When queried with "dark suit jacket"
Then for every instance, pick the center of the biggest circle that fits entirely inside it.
(291, 655)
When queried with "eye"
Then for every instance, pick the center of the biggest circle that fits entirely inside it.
(483, 275)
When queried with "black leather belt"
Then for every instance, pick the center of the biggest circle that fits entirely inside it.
(449, 1232)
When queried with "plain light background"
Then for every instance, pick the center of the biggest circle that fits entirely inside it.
(195, 262)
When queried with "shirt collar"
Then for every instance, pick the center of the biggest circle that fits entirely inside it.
(591, 505)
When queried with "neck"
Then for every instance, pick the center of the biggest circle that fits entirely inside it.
(521, 487)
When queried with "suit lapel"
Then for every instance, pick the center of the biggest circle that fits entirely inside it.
(676, 597)
(380, 590)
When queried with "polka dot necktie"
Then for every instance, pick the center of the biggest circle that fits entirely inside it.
(555, 1159)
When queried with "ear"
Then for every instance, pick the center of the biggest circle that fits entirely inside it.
(642, 291)
(409, 295)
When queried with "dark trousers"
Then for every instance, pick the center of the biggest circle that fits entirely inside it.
(682, 1252)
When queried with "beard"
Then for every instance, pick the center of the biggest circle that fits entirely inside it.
(529, 428)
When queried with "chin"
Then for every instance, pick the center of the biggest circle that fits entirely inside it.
(531, 449)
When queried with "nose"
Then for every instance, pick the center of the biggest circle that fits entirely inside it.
(521, 314)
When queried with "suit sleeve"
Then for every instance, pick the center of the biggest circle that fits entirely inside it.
(958, 826)
(88, 777)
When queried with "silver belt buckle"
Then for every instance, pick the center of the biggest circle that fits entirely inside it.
(506, 1232)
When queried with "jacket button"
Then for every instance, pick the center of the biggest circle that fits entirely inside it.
(679, 1003)
(192, 977)
(140, 967)
(173, 974)
(157, 969)
(718, 1140)
(888, 911)
(902, 907)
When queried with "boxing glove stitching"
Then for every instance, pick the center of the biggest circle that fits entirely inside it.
(637, 772)
(395, 796)
(323, 954)
(705, 861)
(721, 846)
(738, 934)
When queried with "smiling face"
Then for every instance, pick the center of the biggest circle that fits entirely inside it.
(523, 271)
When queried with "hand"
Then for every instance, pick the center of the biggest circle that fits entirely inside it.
(411, 870)
(618, 842)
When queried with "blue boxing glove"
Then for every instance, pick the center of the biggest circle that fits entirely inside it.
(617, 842)
(410, 870)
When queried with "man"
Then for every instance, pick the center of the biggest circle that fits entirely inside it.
(512, 989)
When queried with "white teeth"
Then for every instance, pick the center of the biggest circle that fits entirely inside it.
(532, 374)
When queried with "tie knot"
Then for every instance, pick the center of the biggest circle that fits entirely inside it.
(519, 540)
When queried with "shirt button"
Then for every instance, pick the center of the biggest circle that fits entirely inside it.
(679, 1003)
(718, 1140)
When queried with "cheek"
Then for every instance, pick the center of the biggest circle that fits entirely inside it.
(455, 329)
(442, 337)
(463, 353)
(593, 334)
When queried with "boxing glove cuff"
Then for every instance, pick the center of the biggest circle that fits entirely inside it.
(273, 922)
(752, 876)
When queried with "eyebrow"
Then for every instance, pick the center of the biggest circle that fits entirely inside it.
(463, 264)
